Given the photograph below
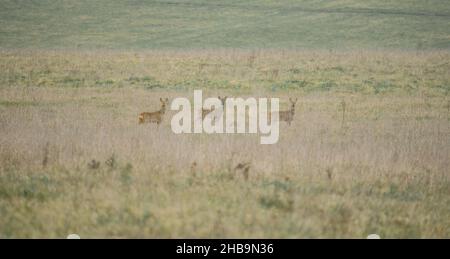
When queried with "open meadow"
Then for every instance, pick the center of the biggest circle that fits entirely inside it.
(367, 152)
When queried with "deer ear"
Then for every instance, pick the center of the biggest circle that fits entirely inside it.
(161, 100)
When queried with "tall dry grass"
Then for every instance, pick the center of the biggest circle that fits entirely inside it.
(385, 170)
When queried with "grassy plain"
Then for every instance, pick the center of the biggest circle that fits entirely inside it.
(383, 169)
(135, 24)
(74, 75)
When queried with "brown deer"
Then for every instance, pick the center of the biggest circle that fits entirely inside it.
(223, 99)
(288, 116)
(208, 111)
(154, 117)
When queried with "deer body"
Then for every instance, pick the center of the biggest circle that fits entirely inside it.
(217, 113)
(206, 112)
(288, 116)
(154, 117)
(222, 110)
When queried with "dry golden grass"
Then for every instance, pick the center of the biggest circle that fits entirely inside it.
(73, 158)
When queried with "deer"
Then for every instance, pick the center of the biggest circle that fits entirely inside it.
(222, 100)
(206, 112)
(288, 116)
(154, 117)
(219, 113)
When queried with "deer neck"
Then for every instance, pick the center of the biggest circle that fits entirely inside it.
(162, 110)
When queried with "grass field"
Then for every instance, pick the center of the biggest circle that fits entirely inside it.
(368, 150)
(383, 169)
(134, 24)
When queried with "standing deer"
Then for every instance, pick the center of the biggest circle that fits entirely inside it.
(218, 113)
(206, 112)
(288, 116)
(222, 100)
(154, 117)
